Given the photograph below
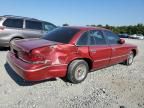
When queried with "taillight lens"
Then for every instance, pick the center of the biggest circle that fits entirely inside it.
(36, 58)
(33, 58)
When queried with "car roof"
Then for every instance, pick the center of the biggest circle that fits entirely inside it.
(20, 17)
(86, 28)
(26, 18)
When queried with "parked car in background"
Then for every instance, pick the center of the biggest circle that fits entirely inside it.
(17, 27)
(137, 36)
(123, 35)
(69, 52)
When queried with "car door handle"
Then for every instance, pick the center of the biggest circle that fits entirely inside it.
(93, 50)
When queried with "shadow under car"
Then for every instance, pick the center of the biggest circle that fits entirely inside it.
(21, 81)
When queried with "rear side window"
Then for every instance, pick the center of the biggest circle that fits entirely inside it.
(15, 23)
(96, 37)
(33, 25)
(83, 40)
(92, 41)
(111, 37)
(62, 35)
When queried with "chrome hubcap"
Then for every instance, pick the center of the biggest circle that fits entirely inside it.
(80, 72)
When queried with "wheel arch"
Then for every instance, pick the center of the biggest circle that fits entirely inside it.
(20, 37)
(87, 60)
(134, 52)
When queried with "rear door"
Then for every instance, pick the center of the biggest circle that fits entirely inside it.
(33, 29)
(99, 50)
(119, 51)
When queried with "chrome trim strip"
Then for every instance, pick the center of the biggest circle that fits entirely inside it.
(101, 60)
(119, 56)
(110, 58)
(40, 68)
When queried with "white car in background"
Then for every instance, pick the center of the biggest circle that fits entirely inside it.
(137, 36)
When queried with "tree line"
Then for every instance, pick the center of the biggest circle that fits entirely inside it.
(130, 29)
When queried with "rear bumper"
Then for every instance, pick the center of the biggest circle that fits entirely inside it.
(37, 72)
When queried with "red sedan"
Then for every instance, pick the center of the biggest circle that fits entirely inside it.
(69, 52)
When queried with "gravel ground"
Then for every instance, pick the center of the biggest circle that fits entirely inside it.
(117, 86)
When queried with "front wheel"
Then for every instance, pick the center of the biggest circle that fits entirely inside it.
(130, 59)
(77, 71)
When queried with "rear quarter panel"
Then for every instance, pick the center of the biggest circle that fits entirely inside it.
(64, 54)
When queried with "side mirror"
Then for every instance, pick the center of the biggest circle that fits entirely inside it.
(121, 41)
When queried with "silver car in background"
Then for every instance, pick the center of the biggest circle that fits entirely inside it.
(137, 36)
(17, 27)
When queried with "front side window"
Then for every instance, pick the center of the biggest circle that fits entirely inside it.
(35, 25)
(83, 40)
(96, 37)
(48, 26)
(16, 23)
(62, 35)
(111, 37)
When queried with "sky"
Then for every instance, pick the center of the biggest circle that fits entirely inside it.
(78, 12)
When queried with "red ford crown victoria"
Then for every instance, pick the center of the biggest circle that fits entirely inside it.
(69, 52)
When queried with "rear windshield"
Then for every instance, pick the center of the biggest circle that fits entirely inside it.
(62, 35)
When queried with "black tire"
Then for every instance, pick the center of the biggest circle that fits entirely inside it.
(77, 71)
(130, 59)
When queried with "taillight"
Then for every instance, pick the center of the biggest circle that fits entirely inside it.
(34, 58)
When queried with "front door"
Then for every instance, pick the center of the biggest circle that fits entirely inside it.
(119, 52)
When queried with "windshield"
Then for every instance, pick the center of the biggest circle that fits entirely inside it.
(62, 35)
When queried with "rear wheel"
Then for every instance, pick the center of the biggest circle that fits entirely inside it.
(77, 71)
(130, 58)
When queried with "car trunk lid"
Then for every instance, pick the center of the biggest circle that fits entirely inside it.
(32, 50)
(29, 44)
